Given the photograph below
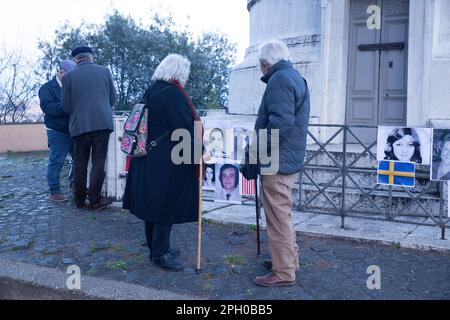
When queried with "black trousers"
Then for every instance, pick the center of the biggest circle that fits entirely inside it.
(95, 142)
(158, 238)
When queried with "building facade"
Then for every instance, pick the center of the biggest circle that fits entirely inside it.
(397, 73)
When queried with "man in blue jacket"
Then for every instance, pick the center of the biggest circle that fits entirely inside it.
(57, 124)
(284, 111)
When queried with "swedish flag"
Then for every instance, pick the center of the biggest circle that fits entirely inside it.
(396, 173)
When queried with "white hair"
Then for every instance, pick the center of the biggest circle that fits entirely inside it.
(173, 67)
(273, 51)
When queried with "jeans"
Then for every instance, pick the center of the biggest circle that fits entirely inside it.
(96, 143)
(60, 145)
(158, 238)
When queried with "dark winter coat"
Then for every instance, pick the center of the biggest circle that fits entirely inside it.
(50, 101)
(286, 106)
(157, 190)
(88, 95)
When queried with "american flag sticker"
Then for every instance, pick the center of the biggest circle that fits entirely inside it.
(248, 187)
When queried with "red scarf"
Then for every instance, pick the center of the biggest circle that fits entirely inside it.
(200, 130)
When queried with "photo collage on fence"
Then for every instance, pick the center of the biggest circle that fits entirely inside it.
(226, 143)
(400, 149)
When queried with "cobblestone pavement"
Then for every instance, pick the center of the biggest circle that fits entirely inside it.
(110, 244)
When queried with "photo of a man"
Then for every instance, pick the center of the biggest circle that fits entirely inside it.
(243, 136)
(217, 143)
(227, 190)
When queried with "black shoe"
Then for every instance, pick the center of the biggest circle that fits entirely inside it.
(104, 202)
(175, 252)
(168, 262)
(267, 263)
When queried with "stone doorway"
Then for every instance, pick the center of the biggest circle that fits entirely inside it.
(377, 67)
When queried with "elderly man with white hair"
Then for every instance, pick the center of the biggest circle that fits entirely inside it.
(285, 107)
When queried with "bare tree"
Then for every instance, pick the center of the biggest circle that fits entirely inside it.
(17, 87)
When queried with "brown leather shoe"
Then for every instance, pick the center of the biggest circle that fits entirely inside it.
(272, 280)
(104, 202)
(58, 197)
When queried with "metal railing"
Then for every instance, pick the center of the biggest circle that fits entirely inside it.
(343, 182)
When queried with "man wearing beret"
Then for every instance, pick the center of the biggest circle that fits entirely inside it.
(57, 124)
(88, 97)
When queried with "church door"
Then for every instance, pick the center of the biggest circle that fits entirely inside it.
(377, 66)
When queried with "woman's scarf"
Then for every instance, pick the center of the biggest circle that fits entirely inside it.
(199, 129)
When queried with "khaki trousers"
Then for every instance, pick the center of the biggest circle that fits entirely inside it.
(277, 202)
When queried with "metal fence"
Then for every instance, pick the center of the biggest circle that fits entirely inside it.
(342, 171)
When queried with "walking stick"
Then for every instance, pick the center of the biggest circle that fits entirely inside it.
(257, 216)
(199, 244)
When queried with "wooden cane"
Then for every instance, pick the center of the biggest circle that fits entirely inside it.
(199, 244)
(257, 217)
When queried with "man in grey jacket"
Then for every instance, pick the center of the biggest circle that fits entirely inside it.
(88, 95)
(284, 111)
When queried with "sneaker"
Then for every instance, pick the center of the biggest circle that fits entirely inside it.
(104, 202)
(58, 197)
(168, 262)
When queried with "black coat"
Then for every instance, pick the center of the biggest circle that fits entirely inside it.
(50, 102)
(157, 190)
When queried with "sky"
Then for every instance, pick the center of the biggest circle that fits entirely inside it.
(23, 22)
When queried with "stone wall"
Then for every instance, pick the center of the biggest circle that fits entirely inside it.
(301, 32)
(23, 137)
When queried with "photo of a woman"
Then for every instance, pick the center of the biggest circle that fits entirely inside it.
(440, 170)
(404, 144)
(209, 179)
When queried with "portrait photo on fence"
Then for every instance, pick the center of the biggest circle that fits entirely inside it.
(405, 144)
(217, 139)
(440, 166)
(242, 136)
(209, 177)
(228, 183)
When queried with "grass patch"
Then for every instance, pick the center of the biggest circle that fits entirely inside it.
(396, 245)
(92, 271)
(235, 260)
(118, 265)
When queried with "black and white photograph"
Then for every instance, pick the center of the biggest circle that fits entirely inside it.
(243, 136)
(228, 183)
(209, 177)
(440, 167)
(218, 139)
(404, 144)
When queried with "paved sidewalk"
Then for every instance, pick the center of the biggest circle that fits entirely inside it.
(110, 245)
(400, 234)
